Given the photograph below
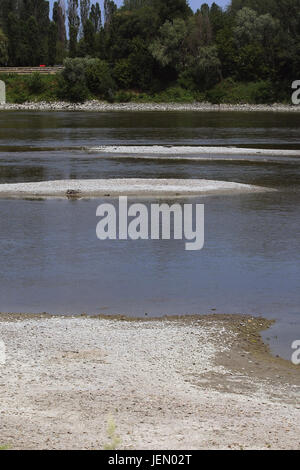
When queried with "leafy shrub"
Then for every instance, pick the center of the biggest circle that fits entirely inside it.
(186, 79)
(72, 81)
(175, 94)
(199, 96)
(142, 98)
(123, 96)
(123, 73)
(99, 78)
(142, 66)
(232, 92)
(264, 92)
(217, 95)
(82, 76)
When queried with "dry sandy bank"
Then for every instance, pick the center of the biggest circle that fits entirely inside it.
(193, 383)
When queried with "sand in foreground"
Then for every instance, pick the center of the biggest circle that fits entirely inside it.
(195, 383)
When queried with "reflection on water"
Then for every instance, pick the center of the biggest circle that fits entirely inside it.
(52, 261)
(70, 129)
(47, 146)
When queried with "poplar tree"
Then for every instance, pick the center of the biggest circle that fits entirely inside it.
(3, 48)
(96, 17)
(74, 23)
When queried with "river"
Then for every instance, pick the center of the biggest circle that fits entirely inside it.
(52, 261)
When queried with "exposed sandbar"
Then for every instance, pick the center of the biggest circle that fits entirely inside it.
(124, 187)
(191, 150)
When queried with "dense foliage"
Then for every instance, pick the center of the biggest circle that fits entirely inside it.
(248, 52)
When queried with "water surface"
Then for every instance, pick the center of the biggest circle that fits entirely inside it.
(50, 257)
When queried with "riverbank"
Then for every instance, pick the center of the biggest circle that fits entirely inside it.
(176, 383)
(101, 106)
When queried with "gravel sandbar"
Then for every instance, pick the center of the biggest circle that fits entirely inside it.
(181, 383)
(125, 187)
(190, 150)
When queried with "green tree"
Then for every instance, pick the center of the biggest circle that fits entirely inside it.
(74, 23)
(199, 31)
(53, 42)
(168, 10)
(123, 73)
(85, 6)
(95, 17)
(142, 65)
(217, 18)
(169, 48)
(207, 67)
(256, 39)
(14, 39)
(203, 70)
(59, 18)
(34, 22)
(227, 51)
(245, 31)
(89, 38)
(110, 9)
(73, 85)
(3, 48)
(33, 46)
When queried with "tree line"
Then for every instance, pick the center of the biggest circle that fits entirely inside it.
(150, 45)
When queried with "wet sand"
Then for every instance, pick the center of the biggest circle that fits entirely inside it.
(176, 383)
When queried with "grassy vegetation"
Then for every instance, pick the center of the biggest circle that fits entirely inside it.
(38, 87)
(34, 87)
(114, 440)
(233, 92)
(174, 94)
